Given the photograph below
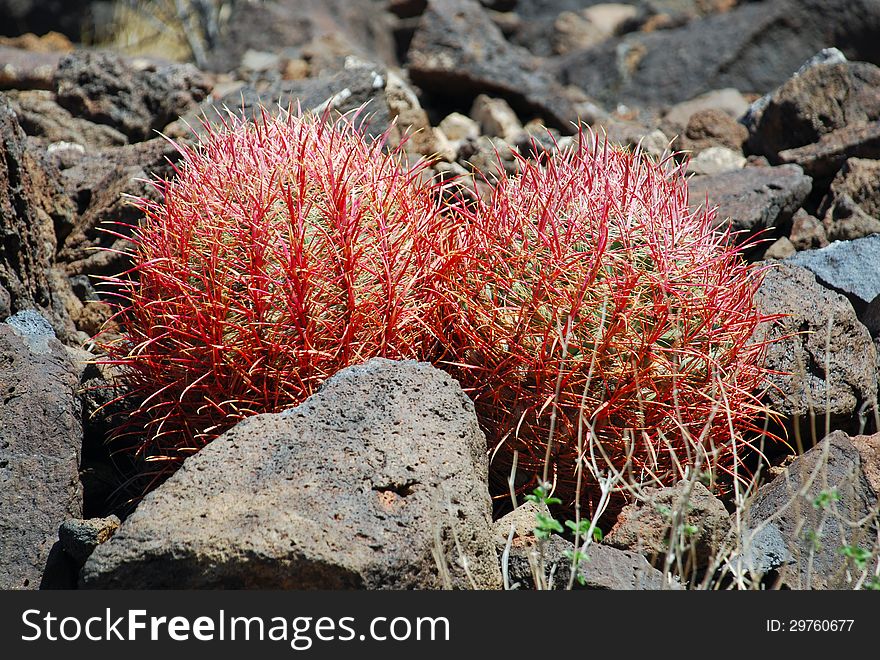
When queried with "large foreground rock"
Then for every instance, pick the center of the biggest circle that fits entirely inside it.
(815, 505)
(358, 487)
(40, 440)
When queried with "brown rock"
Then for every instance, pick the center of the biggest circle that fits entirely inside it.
(845, 220)
(815, 525)
(710, 128)
(822, 99)
(32, 205)
(800, 347)
(646, 527)
(807, 232)
(824, 158)
(97, 183)
(860, 179)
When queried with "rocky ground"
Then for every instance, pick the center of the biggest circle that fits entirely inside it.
(778, 103)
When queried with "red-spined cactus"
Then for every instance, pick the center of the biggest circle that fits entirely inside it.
(590, 289)
(282, 251)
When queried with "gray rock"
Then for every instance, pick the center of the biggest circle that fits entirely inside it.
(646, 527)
(604, 568)
(763, 550)
(79, 538)
(136, 98)
(753, 198)
(358, 487)
(800, 347)
(813, 524)
(34, 329)
(851, 268)
(824, 98)
(841, 266)
(40, 440)
(754, 47)
(321, 31)
(458, 52)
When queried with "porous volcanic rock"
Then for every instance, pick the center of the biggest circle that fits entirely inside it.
(458, 51)
(801, 347)
(753, 198)
(358, 487)
(814, 523)
(40, 441)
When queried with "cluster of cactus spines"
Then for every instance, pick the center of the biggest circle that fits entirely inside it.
(582, 299)
(590, 299)
(282, 251)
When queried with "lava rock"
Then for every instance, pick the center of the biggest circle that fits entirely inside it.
(813, 523)
(324, 32)
(40, 441)
(32, 205)
(645, 527)
(358, 487)
(753, 198)
(458, 52)
(604, 568)
(41, 117)
(754, 47)
(822, 99)
(807, 232)
(713, 128)
(79, 538)
(841, 267)
(136, 98)
(799, 347)
(824, 158)
(98, 183)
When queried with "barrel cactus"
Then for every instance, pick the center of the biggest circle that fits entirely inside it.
(282, 251)
(592, 302)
